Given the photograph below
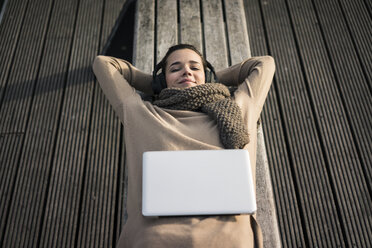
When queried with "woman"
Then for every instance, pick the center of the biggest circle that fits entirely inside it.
(190, 114)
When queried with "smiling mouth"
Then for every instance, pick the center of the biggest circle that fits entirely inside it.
(187, 81)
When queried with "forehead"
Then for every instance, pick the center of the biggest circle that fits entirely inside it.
(183, 56)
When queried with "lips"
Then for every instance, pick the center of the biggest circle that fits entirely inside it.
(186, 80)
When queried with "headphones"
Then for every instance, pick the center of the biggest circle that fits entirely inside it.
(159, 83)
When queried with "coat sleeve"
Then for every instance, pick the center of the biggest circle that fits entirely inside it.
(253, 78)
(119, 80)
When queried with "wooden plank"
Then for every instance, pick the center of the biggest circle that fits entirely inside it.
(190, 22)
(15, 110)
(3, 4)
(127, 12)
(358, 18)
(70, 163)
(344, 165)
(21, 79)
(44, 114)
(350, 65)
(266, 213)
(239, 51)
(214, 34)
(100, 187)
(143, 58)
(10, 29)
(369, 6)
(36, 156)
(237, 31)
(287, 208)
(9, 155)
(144, 28)
(170, 29)
(288, 211)
(99, 199)
(122, 214)
(166, 27)
(322, 228)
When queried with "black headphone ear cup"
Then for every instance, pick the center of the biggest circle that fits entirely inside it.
(158, 80)
(210, 74)
(159, 83)
(210, 77)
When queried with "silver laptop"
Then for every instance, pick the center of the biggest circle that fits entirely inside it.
(202, 182)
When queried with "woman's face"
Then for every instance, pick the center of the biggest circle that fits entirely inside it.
(184, 69)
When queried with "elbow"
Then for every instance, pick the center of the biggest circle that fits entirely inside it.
(269, 64)
(269, 61)
(266, 64)
(266, 61)
(106, 62)
(107, 65)
(261, 61)
(98, 62)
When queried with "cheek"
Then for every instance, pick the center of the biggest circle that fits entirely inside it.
(169, 78)
(201, 77)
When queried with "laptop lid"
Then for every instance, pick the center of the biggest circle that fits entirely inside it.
(202, 182)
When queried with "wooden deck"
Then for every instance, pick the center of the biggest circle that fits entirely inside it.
(61, 159)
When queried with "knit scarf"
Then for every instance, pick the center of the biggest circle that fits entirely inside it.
(215, 100)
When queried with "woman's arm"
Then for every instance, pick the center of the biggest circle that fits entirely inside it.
(250, 68)
(253, 76)
(117, 77)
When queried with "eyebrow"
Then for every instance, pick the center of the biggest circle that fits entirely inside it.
(191, 61)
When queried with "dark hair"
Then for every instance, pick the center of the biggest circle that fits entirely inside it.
(163, 62)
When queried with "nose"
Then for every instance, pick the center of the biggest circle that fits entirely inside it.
(187, 71)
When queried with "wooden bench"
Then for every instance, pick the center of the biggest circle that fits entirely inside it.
(218, 28)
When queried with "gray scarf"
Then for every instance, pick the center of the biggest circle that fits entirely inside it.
(215, 100)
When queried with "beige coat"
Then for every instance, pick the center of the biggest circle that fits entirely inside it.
(150, 128)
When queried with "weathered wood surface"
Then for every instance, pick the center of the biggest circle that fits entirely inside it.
(143, 54)
(214, 36)
(166, 27)
(239, 50)
(224, 44)
(236, 31)
(190, 23)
